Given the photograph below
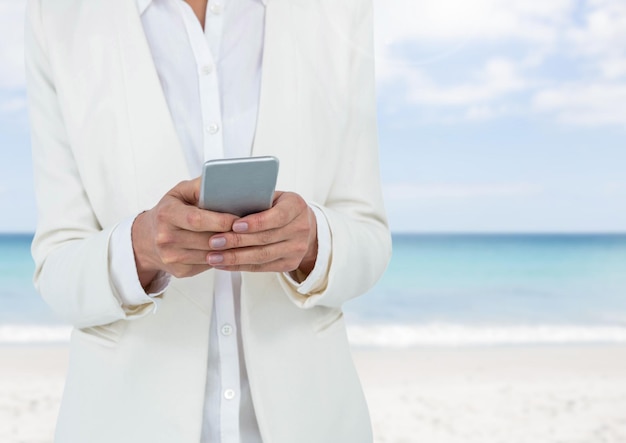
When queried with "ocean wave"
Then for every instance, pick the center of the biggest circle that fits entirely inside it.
(34, 334)
(396, 336)
(454, 335)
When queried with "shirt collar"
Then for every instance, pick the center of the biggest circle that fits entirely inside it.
(142, 5)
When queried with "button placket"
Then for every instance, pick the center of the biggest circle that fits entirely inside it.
(215, 8)
(228, 352)
(212, 128)
(236, 127)
(226, 330)
(203, 46)
(206, 69)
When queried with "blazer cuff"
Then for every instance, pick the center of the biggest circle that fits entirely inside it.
(123, 270)
(306, 292)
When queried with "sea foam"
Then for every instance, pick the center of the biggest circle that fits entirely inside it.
(396, 335)
(34, 334)
(451, 335)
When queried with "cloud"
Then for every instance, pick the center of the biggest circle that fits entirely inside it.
(521, 54)
(584, 104)
(411, 191)
(479, 19)
(602, 32)
(590, 34)
(613, 68)
(12, 105)
(497, 78)
(12, 47)
(480, 113)
(459, 23)
(613, 188)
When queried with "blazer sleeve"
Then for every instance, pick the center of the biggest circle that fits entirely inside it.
(70, 248)
(361, 241)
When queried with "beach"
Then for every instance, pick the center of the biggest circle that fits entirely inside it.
(556, 394)
(465, 339)
(512, 394)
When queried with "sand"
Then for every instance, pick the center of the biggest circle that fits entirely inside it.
(480, 395)
(494, 395)
(31, 384)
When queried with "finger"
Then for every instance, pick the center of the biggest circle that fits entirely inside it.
(280, 265)
(172, 257)
(287, 206)
(184, 271)
(256, 255)
(187, 191)
(232, 240)
(183, 239)
(190, 218)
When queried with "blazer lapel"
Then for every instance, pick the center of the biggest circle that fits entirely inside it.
(158, 155)
(159, 159)
(278, 119)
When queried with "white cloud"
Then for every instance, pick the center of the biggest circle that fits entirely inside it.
(613, 68)
(584, 104)
(483, 94)
(614, 188)
(497, 78)
(589, 35)
(447, 19)
(411, 191)
(12, 105)
(603, 30)
(12, 46)
(438, 30)
(482, 113)
(459, 22)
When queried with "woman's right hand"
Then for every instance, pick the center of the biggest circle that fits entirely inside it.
(173, 237)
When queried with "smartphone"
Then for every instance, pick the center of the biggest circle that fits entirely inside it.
(238, 186)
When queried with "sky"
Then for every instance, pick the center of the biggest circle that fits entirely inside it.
(494, 116)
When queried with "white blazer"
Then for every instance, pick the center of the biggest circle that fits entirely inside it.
(104, 148)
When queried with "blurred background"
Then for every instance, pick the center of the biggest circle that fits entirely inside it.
(503, 144)
(502, 128)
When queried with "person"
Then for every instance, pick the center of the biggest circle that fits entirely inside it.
(191, 325)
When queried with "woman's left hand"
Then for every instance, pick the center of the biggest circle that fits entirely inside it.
(281, 239)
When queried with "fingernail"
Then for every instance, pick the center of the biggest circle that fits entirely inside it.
(215, 259)
(217, 242)
(240, 227)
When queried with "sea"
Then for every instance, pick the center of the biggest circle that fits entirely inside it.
(438, 291)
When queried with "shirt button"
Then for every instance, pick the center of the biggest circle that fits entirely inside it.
(227, 329)
(206, 69)
(212, 128)
(215, 7)
(229, 394)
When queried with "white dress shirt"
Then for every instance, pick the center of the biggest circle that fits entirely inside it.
(211, 81)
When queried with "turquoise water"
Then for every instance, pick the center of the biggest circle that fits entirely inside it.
(528, 279)
(19, 302)
(438, 288)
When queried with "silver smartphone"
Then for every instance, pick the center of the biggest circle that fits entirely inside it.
(238, 186)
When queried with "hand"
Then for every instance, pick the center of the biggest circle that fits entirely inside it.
(173, 236)
(281, 239)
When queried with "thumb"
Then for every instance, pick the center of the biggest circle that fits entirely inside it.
(188, 191)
